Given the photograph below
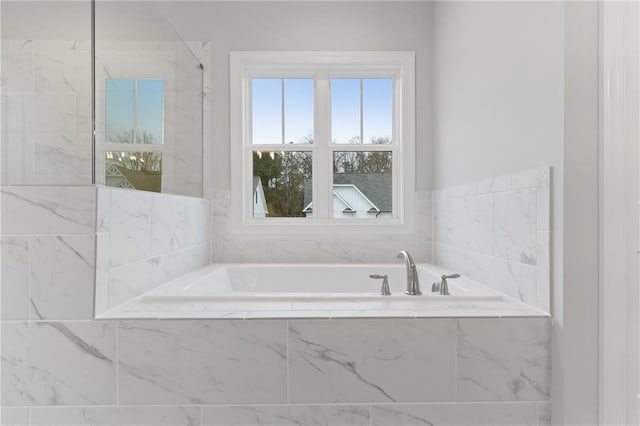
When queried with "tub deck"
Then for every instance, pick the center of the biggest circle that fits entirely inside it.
(315, 291)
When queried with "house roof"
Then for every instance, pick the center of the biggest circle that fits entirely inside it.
(375, 186)
(142, 180)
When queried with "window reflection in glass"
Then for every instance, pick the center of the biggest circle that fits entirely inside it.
(134, 170)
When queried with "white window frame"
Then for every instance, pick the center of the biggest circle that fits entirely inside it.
(322, 67)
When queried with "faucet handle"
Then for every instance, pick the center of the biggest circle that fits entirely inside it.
(384, 290)
(444, 286)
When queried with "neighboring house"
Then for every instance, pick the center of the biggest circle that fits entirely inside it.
(119, 176)
(357, 196)
(260, 209)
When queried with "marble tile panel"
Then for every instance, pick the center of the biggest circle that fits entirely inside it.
(62, 70)
(14, 416)
(178, 222)
(285, 415)
(62, 277)
(130, 233)
(14, 111)
(116, 416)
(62, 154)
(16, 149)
(386, 251)
(494, 414)
(465, 222)
(200, 362)
(141, 64)
(17, 70)
(48, 210)
(543, 201)
(83, 112)
(504, 359)
(82, 372)
(182, 111)
(50, 112)
(128, 281)
(103, 209)
(309, 251)
(241, 251)
(15, 277)
(102, 273)
(515, 226)
(370, 360)
(543, 270)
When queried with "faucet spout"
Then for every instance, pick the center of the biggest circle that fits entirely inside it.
(413, 286)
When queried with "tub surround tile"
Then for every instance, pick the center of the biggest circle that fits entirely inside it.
(48, 210)
(10, 416)
(466, 222)
(283, 415)
(81, 373)
(499, 246)
(200, 362)
(15, 278)
(154, 237)
(177, 223)
(116, 416)
(504, 360)
(302, 251)
(370, 360)
(467, 414)
(386, 251)
(62, 277)
(543, 201)
(543, 270)
(515, 226)
(130, 233)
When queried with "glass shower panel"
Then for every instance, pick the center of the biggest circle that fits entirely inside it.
(46, 93)
(162, 115)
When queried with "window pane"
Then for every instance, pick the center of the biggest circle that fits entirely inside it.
(362, 185)
(150, 111)
(345, 110)
(267, 110)
(135, 170)
(298, 110)
(282, 184)
(119, 110)
(377, 105)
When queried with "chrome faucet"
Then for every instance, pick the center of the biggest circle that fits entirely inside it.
(413, 286)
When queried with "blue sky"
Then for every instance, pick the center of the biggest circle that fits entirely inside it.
(120, 107)
(298, 109)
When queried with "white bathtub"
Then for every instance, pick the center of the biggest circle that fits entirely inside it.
(315, 291)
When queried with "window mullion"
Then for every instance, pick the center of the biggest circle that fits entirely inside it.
(322, 129)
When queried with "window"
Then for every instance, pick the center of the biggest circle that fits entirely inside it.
(134, 124)
(321, 140)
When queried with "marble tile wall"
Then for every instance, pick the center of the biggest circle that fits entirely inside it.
(498, 232)
(376, 248)
(46, 112)
(277, 372)
(145, 239)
